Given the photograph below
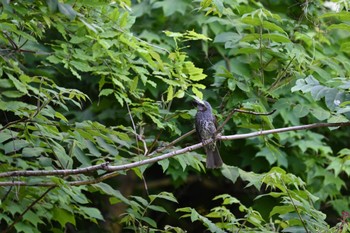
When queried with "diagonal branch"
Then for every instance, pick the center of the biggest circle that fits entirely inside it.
(113, 169)
(18, 218)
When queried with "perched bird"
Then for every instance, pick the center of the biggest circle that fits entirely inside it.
(206, 128)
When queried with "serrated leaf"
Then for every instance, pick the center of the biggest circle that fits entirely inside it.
(230, 172)
(63, 216)
(164, 163)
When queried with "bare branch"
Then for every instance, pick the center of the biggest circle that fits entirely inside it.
(63, 172)
(281, 130)
(173, 142)
(113, 170)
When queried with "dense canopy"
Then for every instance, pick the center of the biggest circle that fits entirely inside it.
(97, 121)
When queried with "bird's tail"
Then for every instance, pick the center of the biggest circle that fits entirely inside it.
(213, 158)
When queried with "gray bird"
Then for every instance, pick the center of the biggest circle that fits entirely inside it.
(206, 128)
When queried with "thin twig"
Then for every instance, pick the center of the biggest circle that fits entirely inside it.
(27, 209)
(134, 127)
(25, 119)
(295, 207)
(172, 143)
(241, 111)
(281, 76)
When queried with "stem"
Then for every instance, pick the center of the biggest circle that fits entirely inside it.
(123, 167)
(26, 210)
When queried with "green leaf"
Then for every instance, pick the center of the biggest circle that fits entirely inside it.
(81, 157)
(253, 178)
(227, 36)
(197, 93)
(92, 213)
(32, 152)
(13, 94)
(67, 10)
(300, 110)
(80, 65)
(19, 85)
(15, 146)
(340, 26)
(250, 37)
(63, 216)
(33, 218)
(230, 172)
(23, 227)
(6, 135)
(276, 37)
(65, 161)
(106, 92)
(150, 221)
(343, 15)
(192, 35)
(320, 113)
(272, 26)
(170, 93)
(304, 37)
(157, 208)
(281, 210)
(164, 195)
(53, 5)
(345, 47)
(170, 6)
(268, 154)
(111, 149)
(141, 200)
(107, 189)
(164, 163)
(251, 21)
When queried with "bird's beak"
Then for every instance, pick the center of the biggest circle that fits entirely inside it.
(197, 102)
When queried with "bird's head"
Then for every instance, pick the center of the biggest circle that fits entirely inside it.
(201, 105)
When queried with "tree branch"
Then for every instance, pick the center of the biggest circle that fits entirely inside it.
(63, 172)
(27, 209)
(113, 169)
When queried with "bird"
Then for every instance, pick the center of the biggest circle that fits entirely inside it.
(206, 129)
